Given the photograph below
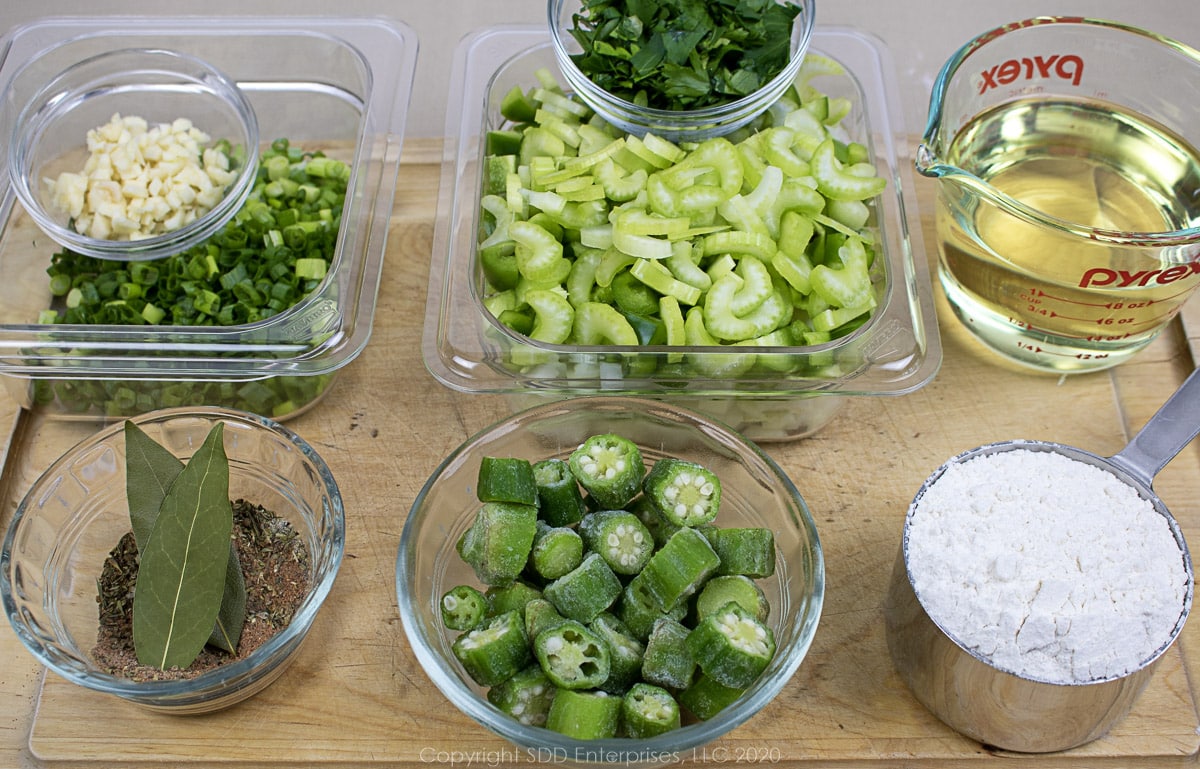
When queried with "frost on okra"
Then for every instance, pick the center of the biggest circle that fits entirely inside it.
(614, 605)
(610, 468)
(731, 646)
(463, 608)
(498, 543)
(620, 538)
(572, 656)
(494, 652)
(685, 493)
(648, 711)
(525, 695)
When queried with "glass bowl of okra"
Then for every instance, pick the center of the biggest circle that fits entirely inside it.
(609, 579)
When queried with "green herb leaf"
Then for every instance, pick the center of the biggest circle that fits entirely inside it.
(150, 469)
(682, 54)
(181, 574)
(232, 615)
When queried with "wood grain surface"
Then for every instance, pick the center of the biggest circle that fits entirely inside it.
(356, 695)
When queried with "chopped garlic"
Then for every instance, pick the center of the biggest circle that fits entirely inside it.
(141, 180)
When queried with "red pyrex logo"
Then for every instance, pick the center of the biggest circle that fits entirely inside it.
(1068, 67)
(1102, 276)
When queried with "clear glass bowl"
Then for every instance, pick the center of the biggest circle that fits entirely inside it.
(755, 492)
(675, 125)
(791, 392)
(340, 85)
(50, 131)
(75, 512)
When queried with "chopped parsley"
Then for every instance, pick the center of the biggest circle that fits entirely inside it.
(682, 54)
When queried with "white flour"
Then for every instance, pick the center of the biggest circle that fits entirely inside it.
(1050, 568)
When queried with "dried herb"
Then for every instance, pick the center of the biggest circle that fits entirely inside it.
(275, 562)
(151, 469)
(184, 561)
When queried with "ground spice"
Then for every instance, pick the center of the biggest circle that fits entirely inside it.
(274, 561)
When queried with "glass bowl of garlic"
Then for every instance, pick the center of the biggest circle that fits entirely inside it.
(131, 154)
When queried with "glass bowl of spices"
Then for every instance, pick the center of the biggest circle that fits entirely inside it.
(131, 154)
(69, 544)
(689, 72)
(648, 575)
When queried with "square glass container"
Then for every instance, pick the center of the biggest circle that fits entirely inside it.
(339, 85)
(792, 391)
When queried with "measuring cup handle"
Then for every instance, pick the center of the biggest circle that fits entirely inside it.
(1171, 428)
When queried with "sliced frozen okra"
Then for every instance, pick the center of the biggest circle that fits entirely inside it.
(685, 493)
(749, 551)
(677, 569)
(638, 611)
(495, 651)
(585, 591)
(560, 503)
(498, 542)
(705, 698)
(525, 695)
(556, 550)
(541, 615)
(732, 646)
(610, 468)
(463, 608)
(506, 479)
(667, 661)
(572, 656)
(660, 528)
(620, 538)
(624, 652)
(740, 589)
(584, 715)
(648, 710)
(511, 597)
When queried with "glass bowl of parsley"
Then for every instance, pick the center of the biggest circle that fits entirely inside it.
(684, 70)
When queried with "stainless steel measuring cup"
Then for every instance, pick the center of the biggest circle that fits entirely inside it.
(1067, 155)
(997, 707)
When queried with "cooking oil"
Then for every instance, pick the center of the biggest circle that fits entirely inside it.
(1059, 296)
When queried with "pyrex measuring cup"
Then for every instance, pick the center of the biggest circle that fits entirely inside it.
(998, 706)
(1068, 203)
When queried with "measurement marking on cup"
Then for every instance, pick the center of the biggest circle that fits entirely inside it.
(1037, 349)
(1089, 300)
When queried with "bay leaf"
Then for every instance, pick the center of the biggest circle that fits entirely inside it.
(150, 469)
(182, 569)
(231, 617)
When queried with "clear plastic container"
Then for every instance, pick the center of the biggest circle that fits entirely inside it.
(341, 85)
(794, 391)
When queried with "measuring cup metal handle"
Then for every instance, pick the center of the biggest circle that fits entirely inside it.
(1171, 428)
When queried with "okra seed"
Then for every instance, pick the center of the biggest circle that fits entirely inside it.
(554, 645)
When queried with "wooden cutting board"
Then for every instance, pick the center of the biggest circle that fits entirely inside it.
(356, 695)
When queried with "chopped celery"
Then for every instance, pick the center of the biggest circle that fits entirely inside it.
(679, 217)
